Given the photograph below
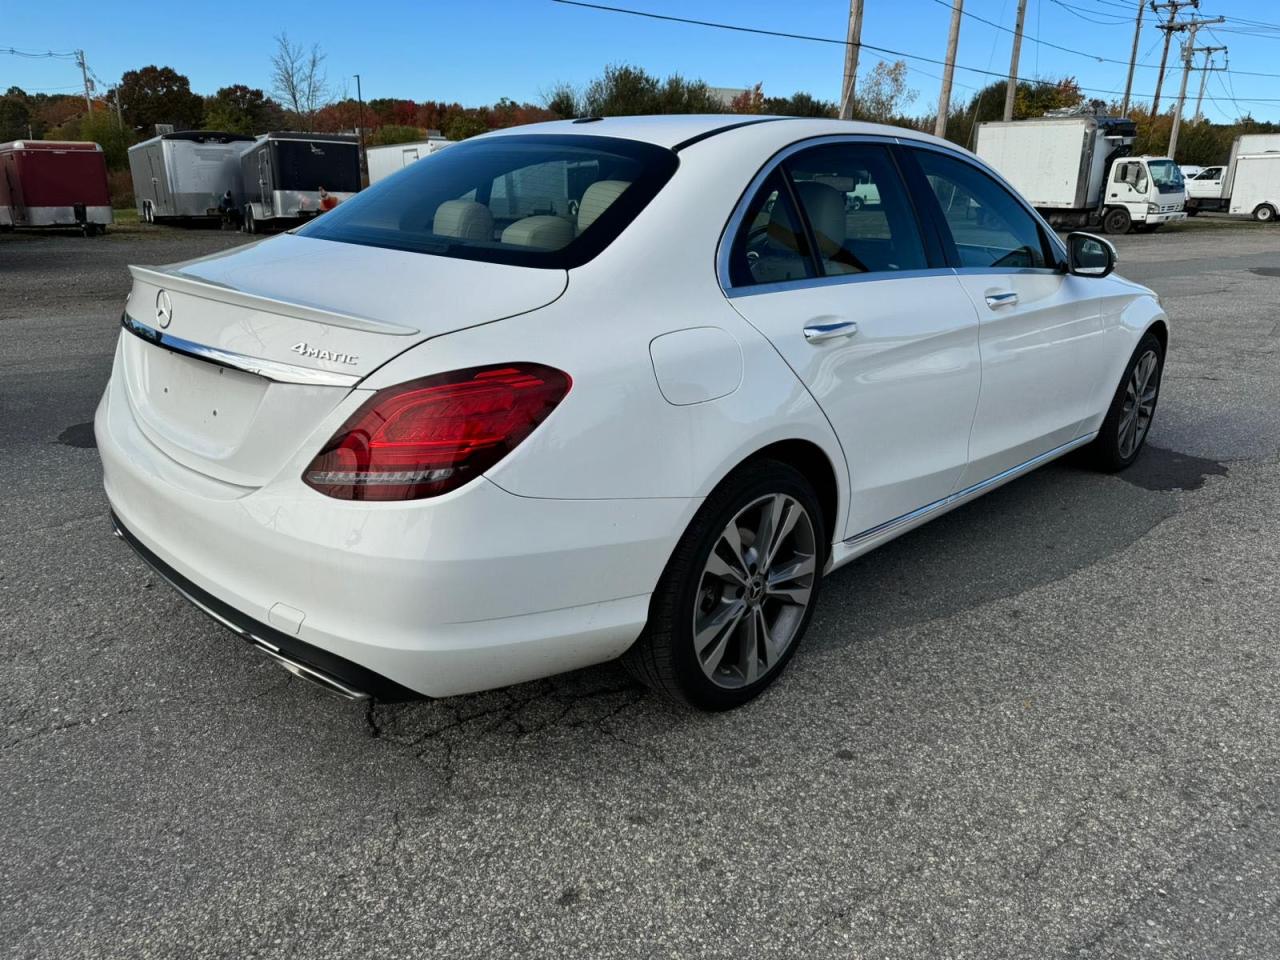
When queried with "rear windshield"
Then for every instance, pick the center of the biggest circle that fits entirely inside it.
(539, 201)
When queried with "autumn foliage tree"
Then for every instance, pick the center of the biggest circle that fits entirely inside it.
(159, 95)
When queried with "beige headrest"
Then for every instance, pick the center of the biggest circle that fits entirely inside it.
(598, 198)
(464, 219)
(544, 232)
(824, 206)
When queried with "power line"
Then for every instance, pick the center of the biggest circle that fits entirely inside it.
(32, 55)
(1076, 12)
(760, 31)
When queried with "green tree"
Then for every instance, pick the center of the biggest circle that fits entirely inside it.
(15, 115)
(882, 94)
(394, 133)
(625, 90)
(800, 104)
(465, 124)
(241, 109)
(159, 95)
(562, 100)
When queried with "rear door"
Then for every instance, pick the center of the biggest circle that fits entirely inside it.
(862, 307)
(1041, 328)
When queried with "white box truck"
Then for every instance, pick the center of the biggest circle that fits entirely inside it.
(1076, 170)
(1256, 192)
(1213, 187)
(386, 160)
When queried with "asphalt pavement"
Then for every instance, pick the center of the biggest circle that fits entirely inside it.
(1046, 725)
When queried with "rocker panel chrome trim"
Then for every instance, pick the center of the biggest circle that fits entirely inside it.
(968, 492)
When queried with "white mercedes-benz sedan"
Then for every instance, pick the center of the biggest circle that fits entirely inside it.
(624, 387)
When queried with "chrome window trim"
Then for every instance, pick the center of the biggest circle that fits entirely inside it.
(969, 492)
(807, 283)
(269, 369)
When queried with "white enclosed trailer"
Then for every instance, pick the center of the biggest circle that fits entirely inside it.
(185, 175)
(1076, 171)
(386, 160)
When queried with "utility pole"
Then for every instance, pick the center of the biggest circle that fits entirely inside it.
(364, 157)
(119, 112)
(944, 95)
(1173, 6)
(84, 72)
(1133, 59)
(1011, 90)
(1204, 76)
(1188, 56)
(852, 44)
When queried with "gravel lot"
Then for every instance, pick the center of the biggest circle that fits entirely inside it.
(1046, 725)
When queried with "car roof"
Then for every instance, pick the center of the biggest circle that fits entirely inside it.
(677, 131)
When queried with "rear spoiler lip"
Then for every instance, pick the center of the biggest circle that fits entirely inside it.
(211, 290)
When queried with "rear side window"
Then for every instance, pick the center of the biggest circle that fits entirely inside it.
(989, 226)
(858, 208)
(771, 245)
(539, 201)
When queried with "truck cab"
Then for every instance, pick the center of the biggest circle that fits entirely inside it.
(1146, 192)
(1204, 190)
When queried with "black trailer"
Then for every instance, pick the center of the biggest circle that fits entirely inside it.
(291, 177)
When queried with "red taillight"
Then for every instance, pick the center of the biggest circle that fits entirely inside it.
(430, 436)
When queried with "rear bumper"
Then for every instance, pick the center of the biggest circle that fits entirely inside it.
(336, 675)
(472, 590)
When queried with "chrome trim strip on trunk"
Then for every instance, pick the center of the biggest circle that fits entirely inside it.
(209, 290)
(270, 369)
(969, 492)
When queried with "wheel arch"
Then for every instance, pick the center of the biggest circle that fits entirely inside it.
(816, 466)
(1160, 329)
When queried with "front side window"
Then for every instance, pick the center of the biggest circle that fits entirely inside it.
(1213, 173)
(855, 203)
(989, 226)
(540, 201)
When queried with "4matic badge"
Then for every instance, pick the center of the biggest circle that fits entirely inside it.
(304, 349)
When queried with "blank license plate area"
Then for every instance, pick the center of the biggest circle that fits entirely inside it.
(198, 405)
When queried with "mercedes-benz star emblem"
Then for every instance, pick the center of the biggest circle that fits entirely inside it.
(164, 309)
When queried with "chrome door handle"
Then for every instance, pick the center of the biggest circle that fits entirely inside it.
(1006, 299)
(819, 332)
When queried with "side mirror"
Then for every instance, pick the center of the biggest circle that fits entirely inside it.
(1090, 256)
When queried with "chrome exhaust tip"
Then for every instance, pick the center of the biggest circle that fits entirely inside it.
(330, 685)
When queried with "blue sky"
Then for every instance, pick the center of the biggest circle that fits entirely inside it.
(476, 51)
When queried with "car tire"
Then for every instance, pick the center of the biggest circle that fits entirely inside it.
(1115, 447)
(1265, 213)
(726, 589)
(1116, 221)
(249, 225)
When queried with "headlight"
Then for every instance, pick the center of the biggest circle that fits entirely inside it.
(1153, 208)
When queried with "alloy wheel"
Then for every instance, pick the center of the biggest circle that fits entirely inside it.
(754, 590)
(1139, 403)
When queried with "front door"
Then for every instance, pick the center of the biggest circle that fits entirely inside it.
(860, 306)
(1041, 332)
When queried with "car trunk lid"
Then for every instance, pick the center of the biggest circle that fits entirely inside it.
(233, 361)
